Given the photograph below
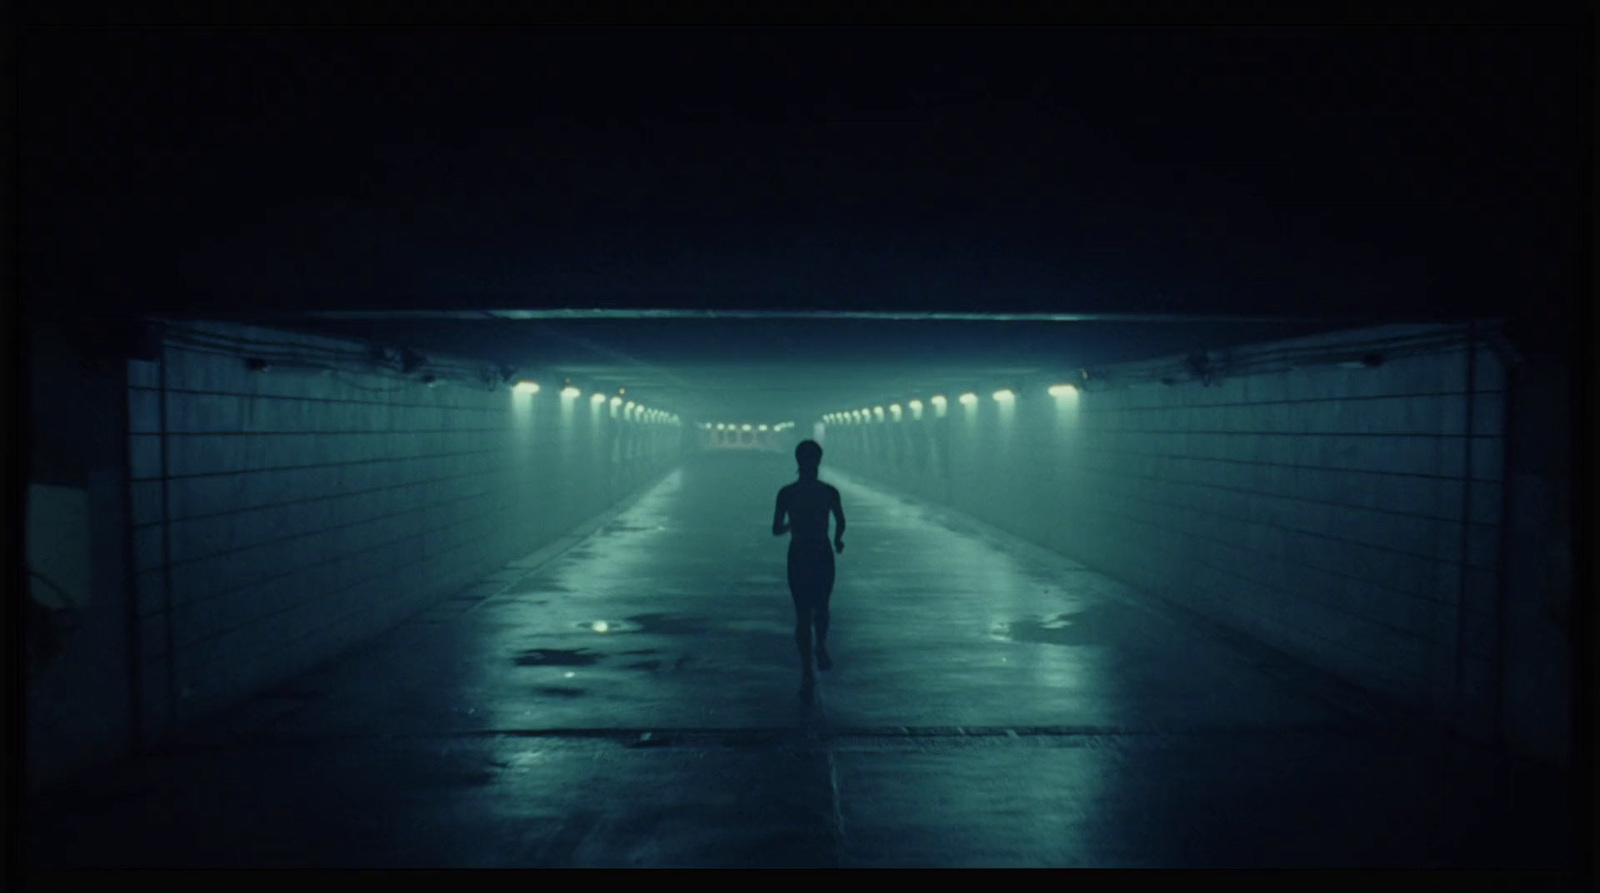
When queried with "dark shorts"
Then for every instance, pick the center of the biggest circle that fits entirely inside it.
(810, 572)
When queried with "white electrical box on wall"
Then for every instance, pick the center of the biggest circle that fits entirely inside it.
(57, 543)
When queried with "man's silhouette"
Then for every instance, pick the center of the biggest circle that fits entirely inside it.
(807, 503)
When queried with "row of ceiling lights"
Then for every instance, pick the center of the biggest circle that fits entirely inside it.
(724, 426)
(939, 403)
(618, 402)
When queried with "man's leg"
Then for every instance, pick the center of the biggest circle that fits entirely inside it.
(803, 620)
(820, 619)
(820, 610)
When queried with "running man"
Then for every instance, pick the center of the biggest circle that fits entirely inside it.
(807, 503)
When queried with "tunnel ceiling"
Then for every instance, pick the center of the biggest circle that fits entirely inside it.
(794, 369)
(1311, 172)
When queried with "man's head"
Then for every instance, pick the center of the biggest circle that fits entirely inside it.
(808, 455)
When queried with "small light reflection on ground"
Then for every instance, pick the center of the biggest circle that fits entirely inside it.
(608, 626)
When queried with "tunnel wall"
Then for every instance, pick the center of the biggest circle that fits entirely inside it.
(1312, 502)
(280, 517)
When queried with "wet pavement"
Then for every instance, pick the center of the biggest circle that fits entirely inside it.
(631, 701)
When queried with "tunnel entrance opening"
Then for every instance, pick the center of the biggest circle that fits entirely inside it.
(1012, 504)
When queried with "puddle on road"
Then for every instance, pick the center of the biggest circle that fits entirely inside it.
(1098, 625)
(668, 624)
(554, 657)
(653, 666)
(536, 587)
(759, 626)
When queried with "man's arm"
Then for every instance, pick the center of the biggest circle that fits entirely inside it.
(838, 523)
(779, 525)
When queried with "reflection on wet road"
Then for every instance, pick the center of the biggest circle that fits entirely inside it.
(631, 702)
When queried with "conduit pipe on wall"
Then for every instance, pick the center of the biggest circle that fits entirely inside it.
(168, 623)
(1464, 565)
(136, 708)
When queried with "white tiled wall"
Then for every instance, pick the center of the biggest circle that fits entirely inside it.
(286, 515)
(1319, 509)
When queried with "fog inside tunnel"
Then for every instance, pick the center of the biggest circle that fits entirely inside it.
(1096, 581)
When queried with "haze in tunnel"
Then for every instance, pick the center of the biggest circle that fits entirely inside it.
(1075, 624)
(629, 702)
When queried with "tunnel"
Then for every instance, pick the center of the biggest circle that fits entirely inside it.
(504, 594)
(1065, 447)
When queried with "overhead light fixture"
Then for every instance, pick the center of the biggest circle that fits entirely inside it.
(616, 401)
(761, 427)
(1063, 390)
(598, 399)
(916, 405)
(570, 392)
(968, 399)
(1004, 396)
(937, 400)
(526, 387)
(745, 428)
